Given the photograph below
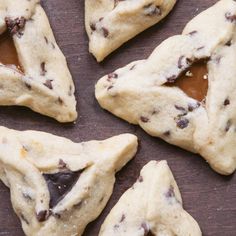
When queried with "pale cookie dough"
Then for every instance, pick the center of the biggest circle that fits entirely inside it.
(153, 206)
(110, 23)
(137, 92)
(45, 85)
(57, 186)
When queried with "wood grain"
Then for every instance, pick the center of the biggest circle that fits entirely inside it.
(209, 197)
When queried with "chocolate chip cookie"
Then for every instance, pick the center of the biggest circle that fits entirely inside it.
(57, 186)
(185, 92)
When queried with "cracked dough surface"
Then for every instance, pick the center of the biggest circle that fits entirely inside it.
(45, 85)
(32, 163)
(152, 206)
(137, 92)
(110, 23)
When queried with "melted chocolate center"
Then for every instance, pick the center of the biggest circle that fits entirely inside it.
(194, 81)
(8, 54)
(60, 184)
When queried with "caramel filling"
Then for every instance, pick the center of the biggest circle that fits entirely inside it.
(194, 81)
(8, 54)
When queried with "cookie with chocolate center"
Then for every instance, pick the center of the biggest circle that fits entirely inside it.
(185, 92)
(33, 70)
(57, 186)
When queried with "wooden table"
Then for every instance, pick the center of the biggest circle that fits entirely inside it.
(207, 196)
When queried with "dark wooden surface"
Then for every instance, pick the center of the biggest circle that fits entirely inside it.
(208, 197)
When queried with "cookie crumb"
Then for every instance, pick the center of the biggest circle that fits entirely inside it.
(205, 76)
(189, 73)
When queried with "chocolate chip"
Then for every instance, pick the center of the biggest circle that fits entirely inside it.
(92, 26)
(170, 193)
(25, 148)
(78, 205)
(218, 59)
(228, 125)
(56, 215)
(42, 216)
(122, 218)
(110, 87)
(144, 119)
(27, 196)
(101, 200)
(70, 92)
(155, 112)
(60, 101)
(21, 22)
(60, 184)
(24, 219)
(203, 102)
(140, 179)
(62, 164)
(200, 48)
(46, 39)
(43, 69)
(226, 102)
(53, 46)
(48, 83)
(171, 79)
(112, 76)
(193, 106)
(180, 108)
(145, 227)
(230, 17)
(116, 226)
(152, 10)
(182, 123)
(117, 1)
(28, 86)
(167, 133)
(105, 32)
(229, 43)
(15, 26)
(132, 67)
(193, 33)
(182, 61)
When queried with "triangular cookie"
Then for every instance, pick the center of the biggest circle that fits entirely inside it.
(148, 93)
(36, 73)
(57, 186)
(153, 206)
(110, 23)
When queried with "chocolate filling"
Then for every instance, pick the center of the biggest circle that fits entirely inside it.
(194, 80)
(8, 54)
(60, 184)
